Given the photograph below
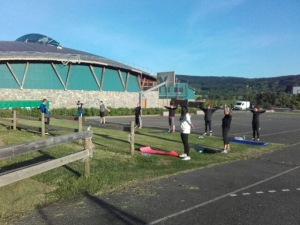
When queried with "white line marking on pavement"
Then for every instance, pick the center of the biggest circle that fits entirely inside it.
(288, 131)
(298, 189)
(248, 132)
(285, 189)
(272, 191)
(220, 197)
(259, 192)
(233, 195)
(246, 193)
(262, 135)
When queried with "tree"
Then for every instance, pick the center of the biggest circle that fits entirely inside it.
(266, 100)
(283, 100)
(295, 102)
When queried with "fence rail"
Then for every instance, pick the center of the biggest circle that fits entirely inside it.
(43, 128)
(18, 149)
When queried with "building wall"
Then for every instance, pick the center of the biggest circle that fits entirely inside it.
(56, 76)
(296, 90)
(63, 85)
(68, 99)
(191, 94)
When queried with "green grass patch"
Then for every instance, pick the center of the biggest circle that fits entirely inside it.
(112, 166)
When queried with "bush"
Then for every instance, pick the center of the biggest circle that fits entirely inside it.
(113, 112)
(64, 112)
(95, 112)
(85, 112)
(158, 111)
(6, 114)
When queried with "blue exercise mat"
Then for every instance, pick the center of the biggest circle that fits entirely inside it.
(248, 142)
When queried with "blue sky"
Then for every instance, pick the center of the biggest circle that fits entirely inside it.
(240, 38)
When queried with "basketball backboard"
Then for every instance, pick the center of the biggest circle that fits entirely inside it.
(168, 77)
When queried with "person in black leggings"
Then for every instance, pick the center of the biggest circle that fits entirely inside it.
(255, 121)
(185, 125)
(226, 122)
(208, 111)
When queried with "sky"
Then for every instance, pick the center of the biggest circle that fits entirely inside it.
(237, 38)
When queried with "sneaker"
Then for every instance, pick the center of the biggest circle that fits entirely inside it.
(183, 155)
(253, 139)
(46, 133)
(224, 151)
(257, 139)
(186, 158)
(204, 134)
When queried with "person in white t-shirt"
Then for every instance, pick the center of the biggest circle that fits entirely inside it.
(185, 126)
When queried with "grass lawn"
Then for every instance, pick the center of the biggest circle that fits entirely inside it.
(112, 166)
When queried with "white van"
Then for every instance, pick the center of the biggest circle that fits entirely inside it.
(241, 105)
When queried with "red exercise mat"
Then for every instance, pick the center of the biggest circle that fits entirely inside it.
(149, 150)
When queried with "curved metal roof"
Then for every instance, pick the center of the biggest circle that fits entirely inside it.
(40, 39)
(15, 50)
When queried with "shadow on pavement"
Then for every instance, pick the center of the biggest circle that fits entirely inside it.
(118, 214)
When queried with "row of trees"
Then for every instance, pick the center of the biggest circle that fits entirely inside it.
(263, 99)
(281, 100)
(265, 92)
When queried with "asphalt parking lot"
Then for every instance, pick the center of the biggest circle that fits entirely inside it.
(275, 127)
(264, 190)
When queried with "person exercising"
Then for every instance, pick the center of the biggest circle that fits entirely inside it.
(255, 122)
(79, 108)
(171, 109)
(138, 116)
(208, 111)
(226, 122)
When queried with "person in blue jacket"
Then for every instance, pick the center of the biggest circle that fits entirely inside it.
(44, 110)
(79, 109)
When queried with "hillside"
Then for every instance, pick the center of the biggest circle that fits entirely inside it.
(239, 88)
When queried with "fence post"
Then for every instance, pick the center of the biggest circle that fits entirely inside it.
(43, 124)
(79, 127)
(132, 137)
(14, 119)
(79, 123)
(87, 145)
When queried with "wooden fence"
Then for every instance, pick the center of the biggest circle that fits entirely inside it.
(120, 127)
(43, 128)
(9, 177)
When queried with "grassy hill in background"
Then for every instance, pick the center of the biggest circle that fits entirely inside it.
(231, 88)
(266, 92)
(228, 88)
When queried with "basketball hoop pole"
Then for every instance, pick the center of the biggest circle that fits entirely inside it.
(150, 89)
(164, 79)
